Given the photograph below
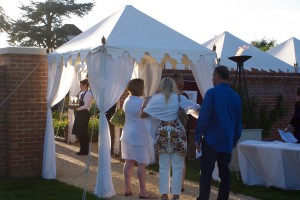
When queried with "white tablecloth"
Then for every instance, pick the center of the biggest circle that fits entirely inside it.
(270, 163)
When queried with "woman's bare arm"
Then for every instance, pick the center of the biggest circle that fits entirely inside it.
(145, 103)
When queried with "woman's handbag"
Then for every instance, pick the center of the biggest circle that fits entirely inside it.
(118, 119)
(181, 114)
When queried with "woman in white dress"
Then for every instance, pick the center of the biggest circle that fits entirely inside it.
(134, 140)
(171, 144)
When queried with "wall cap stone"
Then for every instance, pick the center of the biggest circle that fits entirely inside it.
(23, 50)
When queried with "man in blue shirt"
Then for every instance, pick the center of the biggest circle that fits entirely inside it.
(218, 129)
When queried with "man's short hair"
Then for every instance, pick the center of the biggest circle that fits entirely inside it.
(222, 71)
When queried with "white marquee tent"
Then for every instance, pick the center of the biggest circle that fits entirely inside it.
(136, 46)
(288, 51)
(227, 46)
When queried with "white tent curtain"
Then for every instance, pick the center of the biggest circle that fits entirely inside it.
(80, 74)
(151, 74)
(202, 72)
(108, 80)
(59, 79)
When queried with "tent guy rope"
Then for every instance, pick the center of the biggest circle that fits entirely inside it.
(19, 85)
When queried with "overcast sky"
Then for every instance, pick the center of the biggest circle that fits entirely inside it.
(198, 19)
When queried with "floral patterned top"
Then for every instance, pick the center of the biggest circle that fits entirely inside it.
(171, 138)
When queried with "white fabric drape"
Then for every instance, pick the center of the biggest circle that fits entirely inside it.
(202, 72)
(108, 80)
(58, 85)
(151, 74)
(80, 74)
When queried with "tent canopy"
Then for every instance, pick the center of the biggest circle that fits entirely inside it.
(131, 30)
(227, 46)
(288, 51)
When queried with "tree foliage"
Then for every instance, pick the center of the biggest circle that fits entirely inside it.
(264, 44)
(41, 22)
(4, 21)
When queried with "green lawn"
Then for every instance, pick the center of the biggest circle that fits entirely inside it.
(39, 189)
(237, 186)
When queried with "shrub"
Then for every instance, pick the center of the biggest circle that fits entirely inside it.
(60, 122)
(256, 115)
(94, 128)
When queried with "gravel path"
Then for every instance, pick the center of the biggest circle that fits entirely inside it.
(71, 167)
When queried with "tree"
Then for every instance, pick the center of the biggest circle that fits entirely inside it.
(4, 21)
(264, 44)
(41, 22)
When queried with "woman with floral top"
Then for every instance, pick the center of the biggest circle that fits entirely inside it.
(170, 134)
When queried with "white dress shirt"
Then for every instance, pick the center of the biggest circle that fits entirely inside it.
(87, 99)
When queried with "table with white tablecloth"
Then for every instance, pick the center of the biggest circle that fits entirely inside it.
(274, 164)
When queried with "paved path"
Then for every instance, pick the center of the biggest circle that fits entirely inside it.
(71, 167)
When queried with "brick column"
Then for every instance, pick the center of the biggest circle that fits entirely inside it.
(2, 120)
(23, 116)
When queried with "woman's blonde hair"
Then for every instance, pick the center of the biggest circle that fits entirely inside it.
(136, 87)
(167, 86)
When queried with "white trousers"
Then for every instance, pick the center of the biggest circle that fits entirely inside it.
(166, 160)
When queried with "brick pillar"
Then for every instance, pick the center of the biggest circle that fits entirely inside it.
(23, 116)
(2, 120)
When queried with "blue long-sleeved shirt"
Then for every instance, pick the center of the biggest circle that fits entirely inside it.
(220, 119)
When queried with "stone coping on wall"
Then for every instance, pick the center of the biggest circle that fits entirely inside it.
(257, 71)
(23, 50)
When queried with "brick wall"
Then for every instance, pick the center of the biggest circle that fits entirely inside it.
(266, 86)
(2, 121)
(23, 124)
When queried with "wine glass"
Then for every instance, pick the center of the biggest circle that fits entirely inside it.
(72, 100)
(75, 100)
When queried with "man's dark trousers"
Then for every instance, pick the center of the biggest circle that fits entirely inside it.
(208, 159)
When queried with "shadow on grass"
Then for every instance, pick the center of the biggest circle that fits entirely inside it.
(237, 185)
(37, 188)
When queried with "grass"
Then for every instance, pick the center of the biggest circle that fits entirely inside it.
(39, 189)
(237, 186)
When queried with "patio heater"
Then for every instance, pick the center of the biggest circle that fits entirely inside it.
(240, 70)
(240, 59)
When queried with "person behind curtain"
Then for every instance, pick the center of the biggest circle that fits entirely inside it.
(178, 78)
(134, 142)
(295, 121)
(170, 135)
(82, 117)
(218, 130)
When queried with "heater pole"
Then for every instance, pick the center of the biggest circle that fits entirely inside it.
(239, 73)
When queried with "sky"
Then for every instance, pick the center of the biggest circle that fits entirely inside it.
(198, 19)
